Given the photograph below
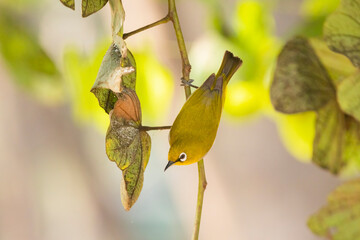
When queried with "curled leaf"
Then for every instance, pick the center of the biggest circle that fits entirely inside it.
(340, 218)
(128, 146)
(342, 30)
(91, 6)
(348, 95)
(301, 82)
(115, 73)
(69, 3)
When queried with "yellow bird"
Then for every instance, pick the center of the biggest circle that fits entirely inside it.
(194, 129)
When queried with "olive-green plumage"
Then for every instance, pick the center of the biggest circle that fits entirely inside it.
(194, 129)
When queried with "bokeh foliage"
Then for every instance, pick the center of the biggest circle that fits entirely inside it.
(248, 33)
(340, 218)
(310, 77)
(27, 61)
(303, 83)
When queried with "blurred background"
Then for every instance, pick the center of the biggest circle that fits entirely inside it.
(56, 181)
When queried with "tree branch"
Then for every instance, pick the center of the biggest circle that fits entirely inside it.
(186, 68)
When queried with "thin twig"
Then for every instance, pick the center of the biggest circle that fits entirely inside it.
(201, 190)
(147, 128)
(161, 21)
(186, 68)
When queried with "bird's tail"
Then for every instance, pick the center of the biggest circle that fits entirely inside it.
(228, 67)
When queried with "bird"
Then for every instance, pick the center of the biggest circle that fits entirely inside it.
(194, 129)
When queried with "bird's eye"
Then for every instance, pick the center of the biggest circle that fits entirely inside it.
(182, 157)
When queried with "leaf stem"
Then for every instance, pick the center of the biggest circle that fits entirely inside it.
(161, 21)
(186, 68)
(148, 128)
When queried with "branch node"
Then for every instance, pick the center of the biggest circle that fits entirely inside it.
(204, 184)
(187, 69)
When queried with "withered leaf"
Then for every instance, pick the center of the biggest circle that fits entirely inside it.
(128, 107)
(115, 73)
(301, 83)
(133, 175)
(128, 146)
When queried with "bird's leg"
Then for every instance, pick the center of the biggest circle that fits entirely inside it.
(187, 83)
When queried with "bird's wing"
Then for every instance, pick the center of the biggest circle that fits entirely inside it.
(200, 115)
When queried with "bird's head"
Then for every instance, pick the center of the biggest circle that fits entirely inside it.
(181, 155)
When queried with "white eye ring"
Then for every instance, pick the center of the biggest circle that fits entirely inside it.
(182, 157)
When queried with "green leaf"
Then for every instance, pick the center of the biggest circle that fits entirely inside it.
(340, 218)
(106, 98)
(329, 138)
(128, 146)
(115, 73)
(91, 6)
(342, 30)
(301, 82)
(69, 3)
(348, 95)
(337, 65)
(337, 139)
(28, 62)
(351, 152)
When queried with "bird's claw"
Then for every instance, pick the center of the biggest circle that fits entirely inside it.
(188, 83)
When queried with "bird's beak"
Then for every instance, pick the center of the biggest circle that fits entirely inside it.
(168, 165)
